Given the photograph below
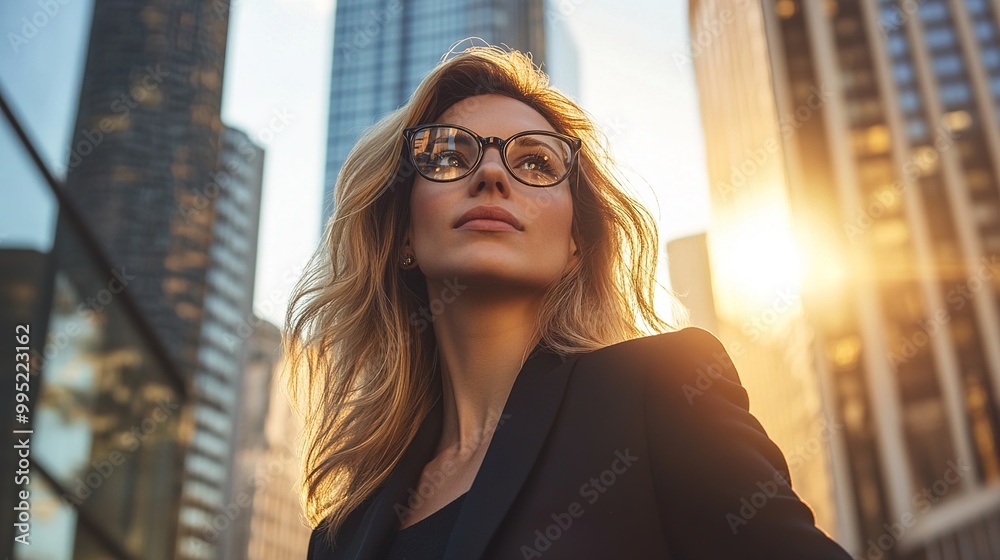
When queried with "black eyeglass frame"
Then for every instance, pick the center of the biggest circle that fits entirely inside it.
(574, 143)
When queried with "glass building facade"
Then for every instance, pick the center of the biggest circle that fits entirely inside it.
(132, 268)
(383, 48)
(268, 463)
(206, 529)
(106, 407)
(888, 142)
(144, 147)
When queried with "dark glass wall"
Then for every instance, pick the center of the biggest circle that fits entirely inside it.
(103, 409)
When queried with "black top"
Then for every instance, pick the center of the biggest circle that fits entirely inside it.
(427, 538)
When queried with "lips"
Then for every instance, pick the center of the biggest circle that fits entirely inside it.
(492, 213)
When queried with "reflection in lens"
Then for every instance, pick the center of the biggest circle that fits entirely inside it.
(539, 159)
(444, 153)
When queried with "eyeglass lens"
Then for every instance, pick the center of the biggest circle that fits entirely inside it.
(446, 154)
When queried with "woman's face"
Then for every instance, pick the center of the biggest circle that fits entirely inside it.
(529, 256)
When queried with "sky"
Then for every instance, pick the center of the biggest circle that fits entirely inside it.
(630, 77)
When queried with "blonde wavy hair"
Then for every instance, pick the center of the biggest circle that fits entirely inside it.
(359, 370)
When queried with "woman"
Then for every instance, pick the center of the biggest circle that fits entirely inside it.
(477, 385)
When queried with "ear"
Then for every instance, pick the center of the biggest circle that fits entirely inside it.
(574, 253)
(408, 236)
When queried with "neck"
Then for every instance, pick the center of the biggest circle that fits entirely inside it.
(482, 343)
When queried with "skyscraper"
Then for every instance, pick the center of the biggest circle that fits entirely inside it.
(93, 455)
(99, 154)
(226, 329)
(868, 133)
(691, 278)
(145, 144)
(268, 461)
(381, 51)
(144, 171)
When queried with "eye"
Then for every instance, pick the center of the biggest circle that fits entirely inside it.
(537, 162)
(449, 159)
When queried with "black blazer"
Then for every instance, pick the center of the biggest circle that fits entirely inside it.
(642, 449)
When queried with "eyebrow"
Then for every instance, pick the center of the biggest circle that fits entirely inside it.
(459, 139)
(529, 141)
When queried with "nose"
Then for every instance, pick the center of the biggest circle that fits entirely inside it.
(491, 172)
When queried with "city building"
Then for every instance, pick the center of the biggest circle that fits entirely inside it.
(266, 475)
(381, 51)
(250, 441)
(562, 56)
(144, 147)
(226, 329)
(852, 151)
(144, 171)
(93, 451)
(691, 279)
(131, 215)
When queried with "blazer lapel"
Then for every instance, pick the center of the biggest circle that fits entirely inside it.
(381, 519)
(522, 428)
(524, 424)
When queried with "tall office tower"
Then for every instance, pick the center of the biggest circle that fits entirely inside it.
(562, 57)
(691, 279)
(145, 143)
(264, 352)
(273, 524)
(381, 51)
(869, 131)
(226, 328)
(108, 410)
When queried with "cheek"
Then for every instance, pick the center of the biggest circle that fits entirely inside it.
(553, 218)
(427, 208)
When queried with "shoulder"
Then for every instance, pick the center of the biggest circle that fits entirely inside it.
(685, 361)
(688, 342)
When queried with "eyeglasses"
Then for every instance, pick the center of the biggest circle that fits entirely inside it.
(448, 152)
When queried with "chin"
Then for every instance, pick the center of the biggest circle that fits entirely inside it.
(495, 276)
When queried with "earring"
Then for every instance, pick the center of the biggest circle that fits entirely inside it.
(407, 260)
